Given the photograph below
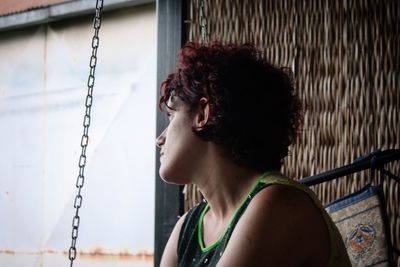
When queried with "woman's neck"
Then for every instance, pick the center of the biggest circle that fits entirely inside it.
(223, 183)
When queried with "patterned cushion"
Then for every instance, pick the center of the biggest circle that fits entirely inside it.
(362, 223)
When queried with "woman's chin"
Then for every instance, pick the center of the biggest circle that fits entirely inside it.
(171, 179)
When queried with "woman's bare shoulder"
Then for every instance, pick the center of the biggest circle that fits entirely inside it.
(280, 221)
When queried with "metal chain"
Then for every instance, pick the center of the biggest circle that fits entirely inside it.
(203, 24)
(85, 136)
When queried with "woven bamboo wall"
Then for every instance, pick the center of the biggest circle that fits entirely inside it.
(345, 56)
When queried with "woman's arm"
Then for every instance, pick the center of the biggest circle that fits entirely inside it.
(280, 227)
(170, 256)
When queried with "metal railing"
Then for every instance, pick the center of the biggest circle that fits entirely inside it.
(373, 161)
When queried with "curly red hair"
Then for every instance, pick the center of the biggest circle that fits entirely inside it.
(255, 113)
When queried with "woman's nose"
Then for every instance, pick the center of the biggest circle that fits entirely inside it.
(161, 139)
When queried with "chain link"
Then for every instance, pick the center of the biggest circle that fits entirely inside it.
(85, 136)
(203, 24)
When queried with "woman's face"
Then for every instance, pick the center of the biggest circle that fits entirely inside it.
(179, 146)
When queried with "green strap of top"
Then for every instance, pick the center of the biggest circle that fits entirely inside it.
(233, 218)
(193, 252)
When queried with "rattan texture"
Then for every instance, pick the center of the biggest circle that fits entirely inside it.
(345, 57)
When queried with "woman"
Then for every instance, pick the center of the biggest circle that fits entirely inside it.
(232, 117)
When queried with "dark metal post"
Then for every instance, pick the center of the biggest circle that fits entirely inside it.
(169, 199)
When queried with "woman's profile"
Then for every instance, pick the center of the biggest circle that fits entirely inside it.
(232, 116)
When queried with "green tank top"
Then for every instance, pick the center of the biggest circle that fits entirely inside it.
(193, 253)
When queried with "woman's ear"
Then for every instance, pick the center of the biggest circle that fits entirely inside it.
(202, 115)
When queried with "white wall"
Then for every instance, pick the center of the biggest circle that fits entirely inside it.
(43, 76)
